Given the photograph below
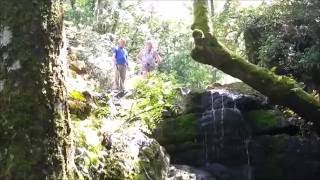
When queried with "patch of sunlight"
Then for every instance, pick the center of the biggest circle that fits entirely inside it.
(173, 9)
(182, 10)
(90, 135)
(77, 83)
(1, 85)
(5, 36)
(111, 125)
(227, 79)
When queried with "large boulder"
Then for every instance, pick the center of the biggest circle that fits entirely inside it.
(237, 95)
(133, 155)
(284, 157)
(237, 134)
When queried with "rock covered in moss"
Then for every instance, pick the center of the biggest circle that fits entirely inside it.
(176, 130)
(133, 155)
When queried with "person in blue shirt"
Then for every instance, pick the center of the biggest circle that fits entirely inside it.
(120, 60)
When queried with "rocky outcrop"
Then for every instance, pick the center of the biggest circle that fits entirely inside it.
(93, 52)
(236, 134)
(133, 155)
(284, 157)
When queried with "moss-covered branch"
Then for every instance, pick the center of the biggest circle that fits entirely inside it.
(280, 90)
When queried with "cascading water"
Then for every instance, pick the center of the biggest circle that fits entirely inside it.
(216, 130)
(205, 144)
(222, 122)
(218, 125)
(247, 142)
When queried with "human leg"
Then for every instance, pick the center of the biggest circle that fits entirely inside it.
(117, 78)
(122, 70)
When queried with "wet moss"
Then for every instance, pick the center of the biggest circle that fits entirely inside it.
(181, 129)
(260, 120)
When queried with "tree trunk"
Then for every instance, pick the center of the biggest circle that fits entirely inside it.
(35, 133)
(211, 8)
(97, 8)
(116, 17)
(281, 90)
(72, 3)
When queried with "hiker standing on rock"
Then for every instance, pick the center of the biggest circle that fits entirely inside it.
(149, 58)
(120, 60)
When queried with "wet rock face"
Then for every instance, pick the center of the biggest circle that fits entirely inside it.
(215, 99)
(285, 157)
(230, 139)
(221, 131)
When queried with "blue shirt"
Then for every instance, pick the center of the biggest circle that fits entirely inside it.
(121, 55)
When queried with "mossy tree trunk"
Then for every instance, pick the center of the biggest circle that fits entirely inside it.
(280, 90)
(35, 133)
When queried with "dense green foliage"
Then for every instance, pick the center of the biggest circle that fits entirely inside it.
(283, 36)
(139, 23)
(153, 97)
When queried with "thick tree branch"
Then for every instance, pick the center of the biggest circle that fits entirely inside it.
(280, 90)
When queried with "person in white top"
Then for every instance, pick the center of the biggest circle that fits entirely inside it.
(149, 58)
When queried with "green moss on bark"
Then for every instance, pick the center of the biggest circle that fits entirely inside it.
(201, 20)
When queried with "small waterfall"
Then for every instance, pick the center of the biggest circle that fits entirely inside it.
(206, 146)
(214, 125)
(213, 113)
(213, 116)
(222, 122)
(247, 142)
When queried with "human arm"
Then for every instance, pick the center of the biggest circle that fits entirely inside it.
(158, 58)
(114, 60)
(139, 56)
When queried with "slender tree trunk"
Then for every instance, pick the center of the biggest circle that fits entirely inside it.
(35, 140)
(97, 8)
(281, 90)
(116, 17)
(73, 2)
(211, 8)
